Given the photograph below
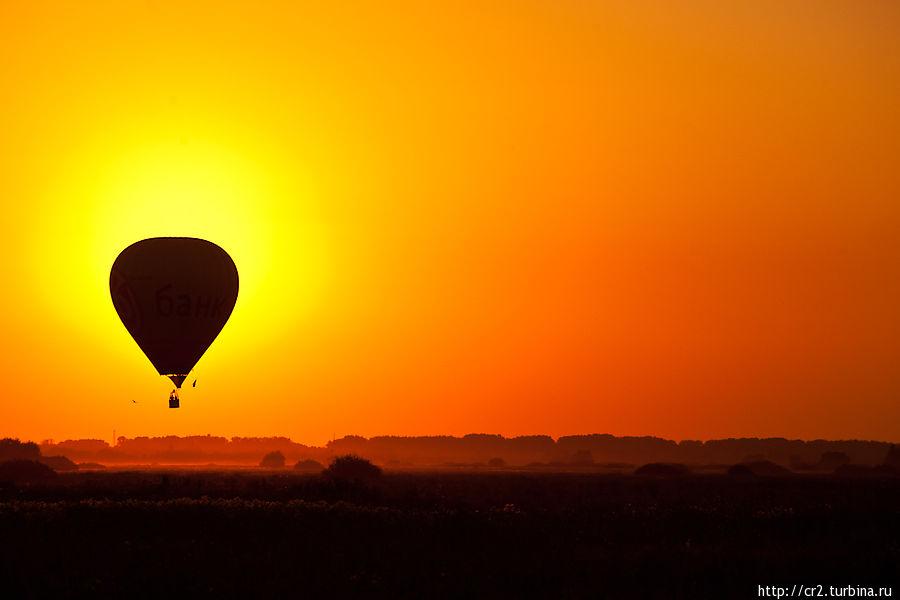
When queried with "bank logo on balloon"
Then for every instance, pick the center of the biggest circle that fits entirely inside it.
(173, 295)
(124, 301)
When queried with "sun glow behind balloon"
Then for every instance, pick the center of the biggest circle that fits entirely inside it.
(195, 190)
(182, 188)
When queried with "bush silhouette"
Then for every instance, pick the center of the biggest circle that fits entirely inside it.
(272, 460)
(741, 470)
(893, 456)
(59, 463)
(497, 462)
(308, 466)
(662, 469)
(11, 449)
(886, 471)
(583, 458)
(832, 460)
(352, 467)
(25, 471)
(766, 468)
(848, 470)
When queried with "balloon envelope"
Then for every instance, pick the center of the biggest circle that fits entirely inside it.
(173, 295)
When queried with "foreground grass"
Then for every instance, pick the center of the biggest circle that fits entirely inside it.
(445, 536)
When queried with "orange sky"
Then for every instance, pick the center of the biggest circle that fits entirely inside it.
(505, 216)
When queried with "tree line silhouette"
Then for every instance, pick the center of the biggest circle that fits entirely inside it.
(470, 450)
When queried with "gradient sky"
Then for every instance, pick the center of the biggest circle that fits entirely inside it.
(505, 216)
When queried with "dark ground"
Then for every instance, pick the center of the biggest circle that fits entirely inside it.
(444, 535)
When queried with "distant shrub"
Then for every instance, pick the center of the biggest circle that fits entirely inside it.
(766, 467)
(848, 470)
(59, 463)
(832, 460)
(893, 457)
(25, 471)
(352, 467)
(583, 458)
(308, 466)
(662, 469)
(802, 466)
(741, 470)
(752, 458)
(886, 471)
(272, 460)
(496, 462)
(11, 449)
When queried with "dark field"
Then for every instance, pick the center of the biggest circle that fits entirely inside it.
(444, 535)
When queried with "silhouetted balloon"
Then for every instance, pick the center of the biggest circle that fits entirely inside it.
(174, 295)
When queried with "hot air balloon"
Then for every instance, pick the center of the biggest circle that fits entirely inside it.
(173, 295)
